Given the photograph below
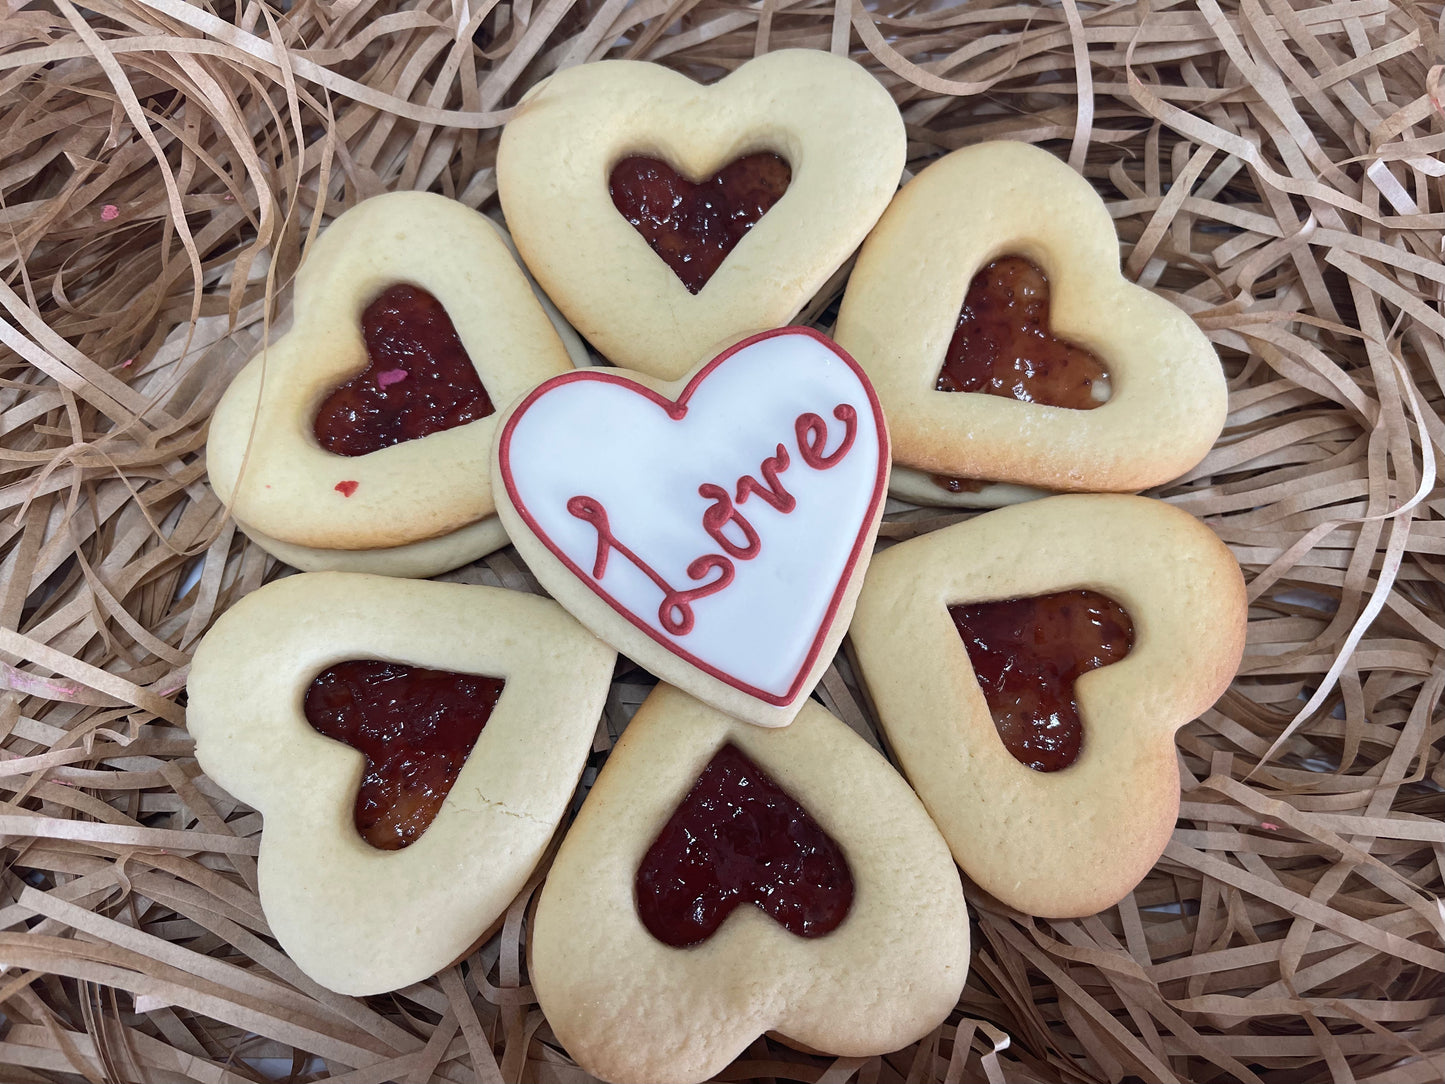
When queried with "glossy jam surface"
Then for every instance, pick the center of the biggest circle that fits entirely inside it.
(694, 226)
(1027, 653)
(1003, 345)
(739, 838)
(416, 728)
(957, 485)
(419, 380)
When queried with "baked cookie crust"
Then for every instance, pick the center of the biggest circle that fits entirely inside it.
(356, 919)
(417, 560)
(833, 122)
(1168, 396)
(630, 1008)
(918, 487)
(1072, 842)
(602, 441)
(262, 455)
(430, 556)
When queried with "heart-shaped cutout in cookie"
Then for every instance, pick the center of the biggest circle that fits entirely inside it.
(1004, 344)
(358, 919)
(716, 529)
(739, 838)
(1027, 653)
(693, 227)
(1075, 841)
(419, 379)
(831, 122)
(629, 1007)
(415, 727)
(415, 505)
(1167, 395)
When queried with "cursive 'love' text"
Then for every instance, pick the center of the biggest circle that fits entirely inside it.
(733, 532)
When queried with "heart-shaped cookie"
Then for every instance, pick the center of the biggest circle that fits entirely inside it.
(630, 1007)
(1166, 392)
(1073, 841)
(418, 506)
(716, 529)
(358, 919)
(832, 123)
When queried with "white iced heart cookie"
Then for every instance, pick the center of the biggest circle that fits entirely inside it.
(416, 506)
(1062, 815)
(715, 530)
(832, 123)
(311, 651)
(821, 831)
(911, 314)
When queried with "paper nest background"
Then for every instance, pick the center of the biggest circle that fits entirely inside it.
(1272, 167)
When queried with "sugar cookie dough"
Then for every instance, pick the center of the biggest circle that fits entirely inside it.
(630, 1008)
(357, 919)
(833, 123)
(1167, 396)
(1075, 841)
(419, 507)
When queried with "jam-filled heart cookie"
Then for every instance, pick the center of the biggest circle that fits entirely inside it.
(1030, 667)
(469, 713)
(988, 309)
(723, 881)
(714, 529)
(667, 218)
(359, 439)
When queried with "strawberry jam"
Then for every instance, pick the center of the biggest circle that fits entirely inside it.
(958, 485)
(739, 838)
(1003, 346)
(416, 728)
(419, 380)
(693, 227)
(1027, 654)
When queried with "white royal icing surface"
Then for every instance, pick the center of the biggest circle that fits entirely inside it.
(607, 440)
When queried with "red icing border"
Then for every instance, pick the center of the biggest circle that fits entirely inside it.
(677, 410)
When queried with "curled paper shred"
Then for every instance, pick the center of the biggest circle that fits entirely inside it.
(1274, 168)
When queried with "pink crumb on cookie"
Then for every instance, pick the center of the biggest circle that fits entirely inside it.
(346, 488)
(109, 213)
(388, 377)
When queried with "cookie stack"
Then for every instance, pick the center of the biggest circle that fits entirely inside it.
(707, 503)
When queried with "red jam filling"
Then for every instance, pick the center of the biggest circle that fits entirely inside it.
(1027, 654)
(419, 380)
(1003, 346)
(958, 485)
(693, 227)
(416, 728)
(739, 838)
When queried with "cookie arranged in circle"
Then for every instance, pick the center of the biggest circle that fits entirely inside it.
(723, 881)
(667, 219)
(715, 529)
(359, 439)
(1030, 667)
(468, 712)
(989, 311)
